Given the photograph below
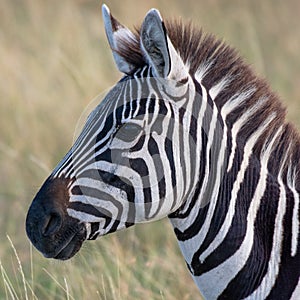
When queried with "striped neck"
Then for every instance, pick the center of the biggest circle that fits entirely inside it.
(230, 230)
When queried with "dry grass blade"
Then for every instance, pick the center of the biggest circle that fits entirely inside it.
(20, 267)
(65, 289)
(9, 289)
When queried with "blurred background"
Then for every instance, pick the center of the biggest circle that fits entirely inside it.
(54, 59)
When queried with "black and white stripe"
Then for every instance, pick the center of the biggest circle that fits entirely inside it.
(204, 143)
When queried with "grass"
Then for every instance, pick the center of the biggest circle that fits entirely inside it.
(54, 59)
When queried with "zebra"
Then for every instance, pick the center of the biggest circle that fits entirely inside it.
(192, 134)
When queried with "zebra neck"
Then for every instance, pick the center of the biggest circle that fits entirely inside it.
(192, 221)
(229, 227)
(230, 230)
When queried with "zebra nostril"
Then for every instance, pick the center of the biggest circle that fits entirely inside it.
(51, 224)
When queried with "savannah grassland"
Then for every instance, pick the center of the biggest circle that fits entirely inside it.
(54, 59)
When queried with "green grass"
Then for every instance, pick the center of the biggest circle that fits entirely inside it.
(54, 59)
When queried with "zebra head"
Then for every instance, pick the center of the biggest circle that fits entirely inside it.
(126, 166)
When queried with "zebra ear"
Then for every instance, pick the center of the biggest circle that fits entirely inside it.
(115, 33)
(159, 50)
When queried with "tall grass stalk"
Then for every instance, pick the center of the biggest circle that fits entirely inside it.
(20, 269)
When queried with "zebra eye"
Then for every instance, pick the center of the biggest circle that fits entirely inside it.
(128, 132)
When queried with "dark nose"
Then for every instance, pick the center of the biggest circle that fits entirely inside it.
(43, 222)
(51, 224)
(47, 212)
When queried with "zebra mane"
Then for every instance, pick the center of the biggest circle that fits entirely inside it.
(220, 66)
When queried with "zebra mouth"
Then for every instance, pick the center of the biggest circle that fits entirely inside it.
(70, 246)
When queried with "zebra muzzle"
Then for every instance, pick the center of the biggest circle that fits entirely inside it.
(50, 229)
